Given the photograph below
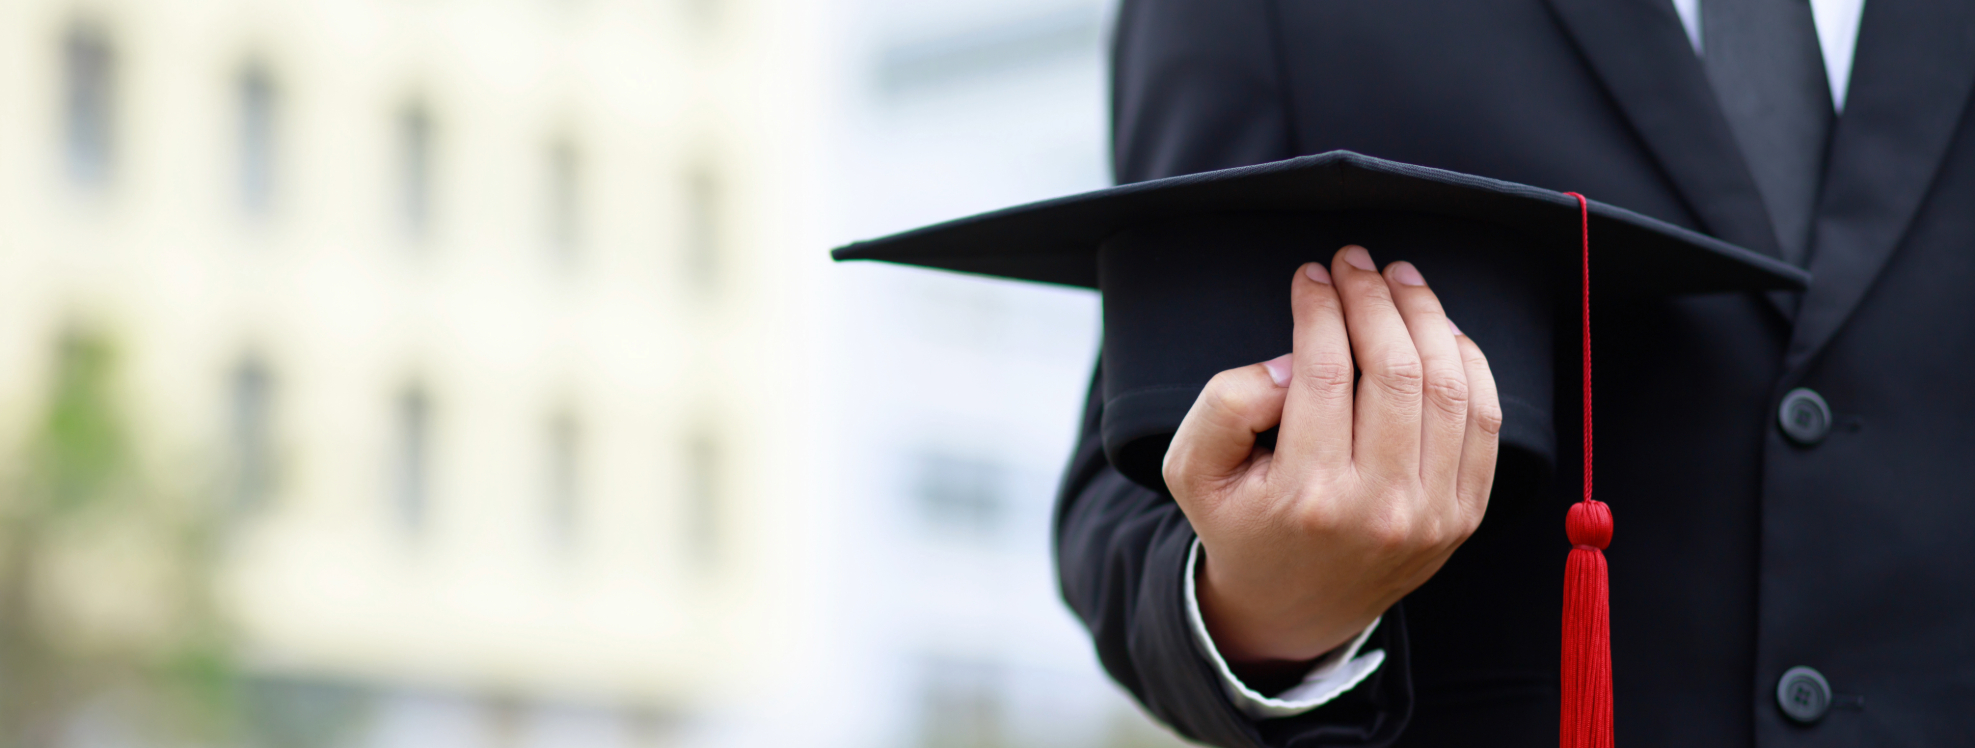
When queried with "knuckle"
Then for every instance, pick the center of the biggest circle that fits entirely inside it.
(1430, 532)
(1393, 532)
(1229, 399)
(1402, 374)
(1316, 519)
(1173, 467)
(1448, 391)
(1178, 468)
(1218, 386)
(1221, 381)
(1488, 417)
(1327, 374)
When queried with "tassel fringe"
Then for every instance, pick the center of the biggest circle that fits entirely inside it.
(1587, 655)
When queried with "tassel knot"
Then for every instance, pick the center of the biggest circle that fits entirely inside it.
(1589, 524)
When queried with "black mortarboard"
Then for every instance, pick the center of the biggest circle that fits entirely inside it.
(1195, 273)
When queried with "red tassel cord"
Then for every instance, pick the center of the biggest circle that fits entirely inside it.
(1587, 655)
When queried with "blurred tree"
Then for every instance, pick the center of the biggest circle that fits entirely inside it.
(107, 616)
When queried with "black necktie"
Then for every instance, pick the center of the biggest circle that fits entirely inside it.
(1762, 58)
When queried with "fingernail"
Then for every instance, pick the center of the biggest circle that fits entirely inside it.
(1407, 275)
(1278, 369)
(1456, 328)
(1317, 272)
(1358, 258)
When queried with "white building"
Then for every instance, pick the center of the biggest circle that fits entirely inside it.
(503, 330)
(472, 308)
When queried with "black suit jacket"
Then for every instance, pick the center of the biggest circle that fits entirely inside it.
(1737, 554)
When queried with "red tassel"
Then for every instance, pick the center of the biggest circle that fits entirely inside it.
(1587, 661)
(1587, 655)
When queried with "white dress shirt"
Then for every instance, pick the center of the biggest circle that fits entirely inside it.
(1345, 667)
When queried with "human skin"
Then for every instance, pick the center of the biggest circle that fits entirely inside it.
(1374, 480)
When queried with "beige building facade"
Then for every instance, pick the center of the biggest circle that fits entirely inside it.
(469, 317)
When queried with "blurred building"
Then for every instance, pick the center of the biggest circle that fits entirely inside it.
(462, 313)
(497, 341)
(965, 394)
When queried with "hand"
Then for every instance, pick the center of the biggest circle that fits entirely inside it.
(1371, 485)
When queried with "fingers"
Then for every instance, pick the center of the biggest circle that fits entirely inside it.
(1444, 394)
(1483, 432)
(1316, 431)
(1217, 437)
(1386, 433)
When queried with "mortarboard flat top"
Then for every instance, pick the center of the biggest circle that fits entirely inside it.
(1056, 241)
(1195, 270)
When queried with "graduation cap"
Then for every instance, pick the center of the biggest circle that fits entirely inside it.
(1194, 274)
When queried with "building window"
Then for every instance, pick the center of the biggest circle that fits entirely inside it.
(89, 93)
(411, 480)
(252, 434)
(959, 494)
(703, 236)
(415, 168)
(257, 102)
(564, 448)
(705, 491)
(565, 207)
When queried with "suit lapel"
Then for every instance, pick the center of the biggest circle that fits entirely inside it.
(1909, 87)
(1640, 51)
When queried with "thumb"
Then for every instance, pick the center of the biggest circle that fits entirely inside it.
(1217, 437)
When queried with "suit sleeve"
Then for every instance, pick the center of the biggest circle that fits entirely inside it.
(1121, 552)
(1196, 86)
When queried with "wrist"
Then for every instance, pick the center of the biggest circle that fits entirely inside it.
(1267, 628)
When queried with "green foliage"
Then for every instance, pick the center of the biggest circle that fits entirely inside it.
(80, 450)
(82, 494)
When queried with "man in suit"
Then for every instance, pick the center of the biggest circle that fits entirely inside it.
(1789, 471)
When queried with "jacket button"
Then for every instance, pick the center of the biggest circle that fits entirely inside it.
(1804, 694)
(1805, 417)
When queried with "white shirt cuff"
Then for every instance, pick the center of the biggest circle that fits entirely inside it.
(1334, 673)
